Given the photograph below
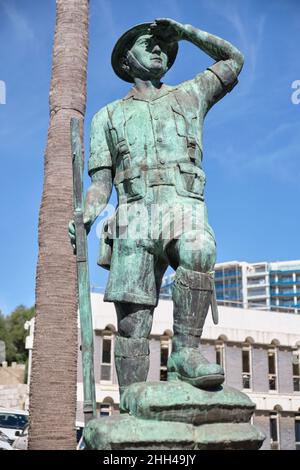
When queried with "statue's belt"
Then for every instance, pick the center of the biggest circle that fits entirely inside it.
(160, 176)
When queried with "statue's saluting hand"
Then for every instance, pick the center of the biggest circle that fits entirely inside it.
(168, 30)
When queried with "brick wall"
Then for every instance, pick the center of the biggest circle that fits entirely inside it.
(260, 370)
(208, 351)
(285, 371)
(287, 432)
(233, 366)
(262, 422)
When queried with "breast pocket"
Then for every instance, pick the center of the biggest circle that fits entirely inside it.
(190, 181)
(180, 122)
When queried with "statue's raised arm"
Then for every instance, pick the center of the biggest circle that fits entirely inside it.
(229, 60)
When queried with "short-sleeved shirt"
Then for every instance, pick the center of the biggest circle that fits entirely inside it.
(140, 133)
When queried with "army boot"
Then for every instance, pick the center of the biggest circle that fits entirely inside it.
(131, 360)
(192, 295)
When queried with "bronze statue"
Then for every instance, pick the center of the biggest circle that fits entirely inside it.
(149, 145)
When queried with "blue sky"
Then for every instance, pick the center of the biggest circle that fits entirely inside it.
(251, 138)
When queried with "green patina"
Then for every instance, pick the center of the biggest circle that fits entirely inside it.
(149, 146)
(89, 405)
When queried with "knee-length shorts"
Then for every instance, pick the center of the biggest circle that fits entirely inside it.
(143, 237)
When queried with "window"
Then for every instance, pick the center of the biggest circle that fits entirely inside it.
(296, 371)
(257, 292)
(272, 369)
(165, 350)
(105, 410)
(246, 364)
(220, 354)
(260, 268)
(274, 432)
(106, 362)
(297, 431)
(12, 420)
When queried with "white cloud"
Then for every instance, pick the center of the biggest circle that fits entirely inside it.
(250, 34)
(108, 21)
(275, 155)
(19, 22)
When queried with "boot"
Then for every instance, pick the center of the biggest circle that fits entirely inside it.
(192, 295)
(131, 360)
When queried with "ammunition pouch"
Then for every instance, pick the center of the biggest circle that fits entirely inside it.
(106, 243)
(188, 179)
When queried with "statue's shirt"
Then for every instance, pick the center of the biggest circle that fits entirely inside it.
(136, 135)
(154, 150)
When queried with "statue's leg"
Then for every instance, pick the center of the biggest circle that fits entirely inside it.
(132, 343)
(192, 291)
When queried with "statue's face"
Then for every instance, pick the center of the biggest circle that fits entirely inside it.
(152, 54)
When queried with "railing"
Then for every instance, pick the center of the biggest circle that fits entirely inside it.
(278, 283)
(232, 286)
(285, 271)
(220, 274)
(287, 294)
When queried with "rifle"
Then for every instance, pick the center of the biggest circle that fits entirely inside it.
(84, 299)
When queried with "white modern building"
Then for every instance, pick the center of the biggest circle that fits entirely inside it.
(265, 286)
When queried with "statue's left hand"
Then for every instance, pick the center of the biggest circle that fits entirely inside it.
(168, 30)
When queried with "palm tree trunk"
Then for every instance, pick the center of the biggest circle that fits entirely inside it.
(54, 366)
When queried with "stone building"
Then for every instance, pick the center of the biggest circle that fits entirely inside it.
(258, 349)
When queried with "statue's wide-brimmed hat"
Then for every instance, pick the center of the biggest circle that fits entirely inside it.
(126, 41)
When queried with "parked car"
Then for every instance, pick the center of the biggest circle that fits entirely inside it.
(5, 442)
(12, 422)
(21, 441)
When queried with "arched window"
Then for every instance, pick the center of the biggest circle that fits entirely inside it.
(274, 431)
(297, 431)
(165, 351)
(106, 356)
(220, 355)
(272, 368)
(106, 407)
(296, 370)
(246, 366)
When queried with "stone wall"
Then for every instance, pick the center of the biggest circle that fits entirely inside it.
(13, 374)
(14, 396)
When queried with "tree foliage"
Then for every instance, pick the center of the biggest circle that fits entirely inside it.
(13, 333)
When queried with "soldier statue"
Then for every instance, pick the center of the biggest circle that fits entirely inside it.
(149, 146)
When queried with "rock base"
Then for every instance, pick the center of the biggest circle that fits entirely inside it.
(176, 416)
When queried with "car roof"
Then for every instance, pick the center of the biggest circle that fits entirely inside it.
(13, 411)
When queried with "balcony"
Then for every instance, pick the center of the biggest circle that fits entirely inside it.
(285, 271)
(256, 280)
(285, 294)
(231, 286)
(256, 293)
(285, 305)
(258, 271)
(283, 283)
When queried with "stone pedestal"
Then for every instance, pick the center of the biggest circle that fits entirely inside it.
(177, 416)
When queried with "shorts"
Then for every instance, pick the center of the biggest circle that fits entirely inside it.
(139, 258)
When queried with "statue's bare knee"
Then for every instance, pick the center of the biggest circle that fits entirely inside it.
(134, 321)
(197, 254)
